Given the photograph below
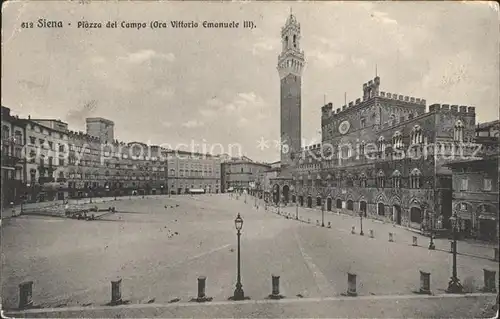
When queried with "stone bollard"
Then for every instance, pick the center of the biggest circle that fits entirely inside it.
(116, 292)
(415, 241)
(201, 287)
(329, 225)
(496, 254)
(275, 292)
(351, 285)
(308, 220)
(201, 290)
(25, 294)
(352, 230)
(371, 233)
(489, 281)
(391, 237)
(317, 222)
(425, 283)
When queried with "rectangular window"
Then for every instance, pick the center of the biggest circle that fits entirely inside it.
(487, 184)
(32, 140)
(464, 185)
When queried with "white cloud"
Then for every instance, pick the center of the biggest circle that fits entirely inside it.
(250, 97)
(193, 124)
(208, 113)
(166, 124)
(328, 59)
(263, 45)
(358, 61)
(383, 17)
(144, 55)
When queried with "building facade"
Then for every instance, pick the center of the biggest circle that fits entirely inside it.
(99, 168)
(383, 156)
(193, 171)
(475, 197)
(13, 161)
(243, 174)
(46, 151)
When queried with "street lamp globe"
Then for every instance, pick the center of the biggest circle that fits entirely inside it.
(238, 222)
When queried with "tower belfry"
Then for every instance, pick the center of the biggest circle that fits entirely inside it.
(291, 63)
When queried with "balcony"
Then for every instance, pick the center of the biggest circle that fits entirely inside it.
(10, 161)
(45, 179)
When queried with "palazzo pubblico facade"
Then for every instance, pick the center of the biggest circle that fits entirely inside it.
(383, 155)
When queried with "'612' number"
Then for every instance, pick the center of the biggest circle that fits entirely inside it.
(27, 25)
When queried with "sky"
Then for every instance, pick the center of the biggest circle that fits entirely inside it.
(221, 86)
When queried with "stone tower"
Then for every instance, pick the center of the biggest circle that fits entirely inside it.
(290, 65)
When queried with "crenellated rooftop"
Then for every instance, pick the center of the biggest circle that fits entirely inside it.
(370, 91)
(83, 136)
(453, 108)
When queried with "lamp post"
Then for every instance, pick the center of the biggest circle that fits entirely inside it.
(238, 292)
(454, 286)
(296, 209)
(431, 242)
(322, 213)
(424, 208)
(361, 223)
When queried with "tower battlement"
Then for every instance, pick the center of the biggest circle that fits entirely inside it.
(83, 136)
(446, 108)
(404, 98)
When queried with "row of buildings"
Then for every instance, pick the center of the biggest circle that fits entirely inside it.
(43, 160)
(388, 156)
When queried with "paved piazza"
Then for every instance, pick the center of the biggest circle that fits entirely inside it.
(159, 253)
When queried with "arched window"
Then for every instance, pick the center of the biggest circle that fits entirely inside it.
(381, 209)
(294, 41)
(19, 137)
(362, 180)
(381, 145)
(350, 205)
(362, 148)
(459, 131)
(392, 119)
(416, 135)
(396, 179)
(397, 140)
(349, 182)
(5, 132)
(415, 215)
(380, 179)
(415, 178)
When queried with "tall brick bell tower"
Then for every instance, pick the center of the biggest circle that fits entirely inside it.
(290, 65)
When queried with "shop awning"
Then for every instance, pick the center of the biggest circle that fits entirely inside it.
(488, 217)
(196, 191)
